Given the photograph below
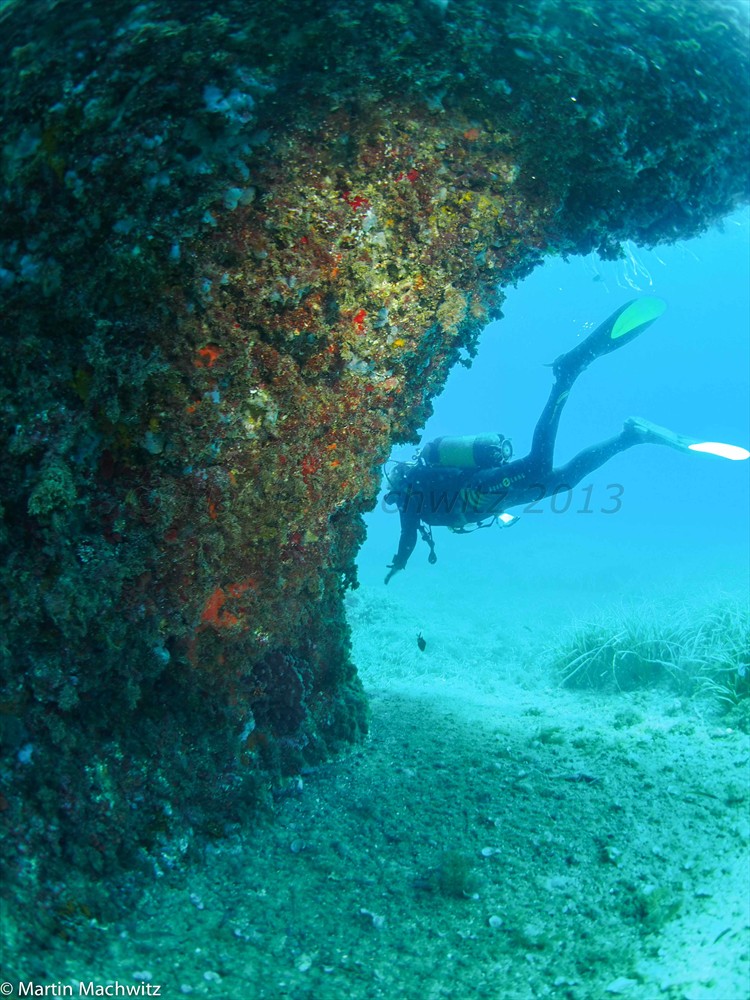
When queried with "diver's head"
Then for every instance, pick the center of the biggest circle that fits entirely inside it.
(397, 477)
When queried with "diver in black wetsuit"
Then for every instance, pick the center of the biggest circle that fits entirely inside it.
(457, 482)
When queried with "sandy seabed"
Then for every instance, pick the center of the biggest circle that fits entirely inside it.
(496, 836)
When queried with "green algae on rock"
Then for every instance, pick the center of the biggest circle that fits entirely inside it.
(241, 246)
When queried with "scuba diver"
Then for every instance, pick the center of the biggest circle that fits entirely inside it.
(460, 481)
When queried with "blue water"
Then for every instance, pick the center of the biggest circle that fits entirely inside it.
(682, 521)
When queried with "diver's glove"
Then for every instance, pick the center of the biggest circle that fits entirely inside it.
(395, 567)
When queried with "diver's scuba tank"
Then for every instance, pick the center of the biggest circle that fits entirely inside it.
(477, 451)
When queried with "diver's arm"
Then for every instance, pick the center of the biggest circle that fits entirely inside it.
(406, 543)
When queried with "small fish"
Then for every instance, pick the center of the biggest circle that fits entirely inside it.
(421, 642)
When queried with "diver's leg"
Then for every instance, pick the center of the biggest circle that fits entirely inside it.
(636, 431)
(587, 461)
(624, 325)
(519, 482)
(545, 432)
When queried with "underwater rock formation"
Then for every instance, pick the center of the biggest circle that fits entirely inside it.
(241, 246)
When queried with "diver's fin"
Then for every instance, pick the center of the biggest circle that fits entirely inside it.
(630, 321)
(624, 325)
(731, 451)
(648, 432)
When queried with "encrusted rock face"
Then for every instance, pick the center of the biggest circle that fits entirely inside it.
(241, 246)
